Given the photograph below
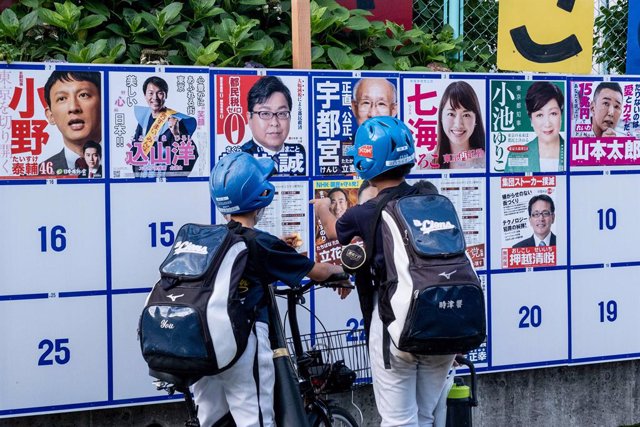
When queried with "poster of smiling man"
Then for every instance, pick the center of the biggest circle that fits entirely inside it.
(159, 124)
(49, 121)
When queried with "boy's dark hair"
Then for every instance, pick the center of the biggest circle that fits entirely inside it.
(365, 184)
(264, 88)
(92, 144)
(540, 93)
(156, 81)
(544, 198)
(68, 76)
(395, 173)
(426, 187)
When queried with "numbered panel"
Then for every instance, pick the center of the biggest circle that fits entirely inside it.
(529, 317)
(604, 216)
(335, 314)
(58, 228)
(55, 352)
(130, 372)
(145, 218)
(604, 312)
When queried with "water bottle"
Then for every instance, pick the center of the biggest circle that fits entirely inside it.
(461, 398)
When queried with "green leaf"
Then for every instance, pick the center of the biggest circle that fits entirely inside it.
(9, 23)
(146, 40)
(213, 47)
(444, 47)
(196, 35)
(28, 21)
(97, 7)
(69, 11)
(358, 23)
(254, 47)
(384, 55)
(52, 18)
(171, 12)
(95, 49)
(343, 60)
(206, 59)
(117, 29)
(175, 30)
(390, 43)
(192, 49)
(91, 21)
(252, 2)
(316, 53)
(33, 4)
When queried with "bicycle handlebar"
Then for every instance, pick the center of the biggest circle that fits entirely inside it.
(333, 281)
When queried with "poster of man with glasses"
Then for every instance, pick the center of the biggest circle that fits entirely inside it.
(264, 116)
(340, 105)
(529, 221)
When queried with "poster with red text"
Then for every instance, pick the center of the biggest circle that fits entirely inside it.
(447, 120)
(605, 118)
(48, 120)
(265, 116)
(528, 221)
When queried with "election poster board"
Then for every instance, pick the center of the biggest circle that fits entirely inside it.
(95, 184)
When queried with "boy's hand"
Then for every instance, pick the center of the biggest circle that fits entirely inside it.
(323, 202)
(343, 292)
(294, 240)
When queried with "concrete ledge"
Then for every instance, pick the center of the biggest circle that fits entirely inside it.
(602, 395)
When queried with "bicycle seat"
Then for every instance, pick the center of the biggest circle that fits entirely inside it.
(181, 382)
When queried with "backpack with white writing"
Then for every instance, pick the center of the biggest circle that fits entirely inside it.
(431, 300)
(194, 322)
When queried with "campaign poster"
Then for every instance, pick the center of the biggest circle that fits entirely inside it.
(332, 199)
(527, 126)
(447, 120)
(50, 124)
(287, 214)
(340, 105)
(480, 355)
(159, 124)
(265, 116)
(528, 221)
(605, 119)
(468, 198)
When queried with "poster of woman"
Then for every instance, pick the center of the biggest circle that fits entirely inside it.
(527, 126)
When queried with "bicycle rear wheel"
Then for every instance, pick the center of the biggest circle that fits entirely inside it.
(341, 418)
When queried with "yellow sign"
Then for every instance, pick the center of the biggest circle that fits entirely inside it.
(545, 35)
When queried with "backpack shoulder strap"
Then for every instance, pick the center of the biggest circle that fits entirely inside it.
(370, 241)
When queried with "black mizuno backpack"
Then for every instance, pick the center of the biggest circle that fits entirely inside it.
(431, 300)
(194, 322)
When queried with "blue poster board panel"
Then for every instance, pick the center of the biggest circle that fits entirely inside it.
(58, 354)
(633, 39)
(59, 230)
(605, 218)
(529, 319)
(603, 312)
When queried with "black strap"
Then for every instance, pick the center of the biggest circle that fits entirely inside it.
(386, 347)
(370, 241)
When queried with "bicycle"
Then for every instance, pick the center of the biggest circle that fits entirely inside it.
(314, 377)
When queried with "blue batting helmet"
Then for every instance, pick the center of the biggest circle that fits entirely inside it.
(239, 183)
(381, 144)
